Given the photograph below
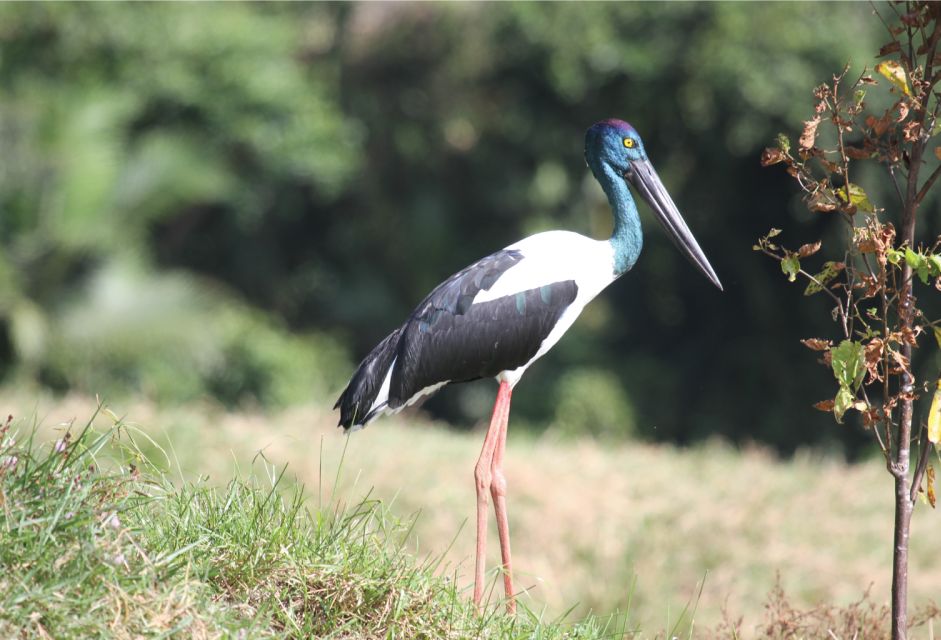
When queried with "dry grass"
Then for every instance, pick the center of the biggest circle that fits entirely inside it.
(608, 528)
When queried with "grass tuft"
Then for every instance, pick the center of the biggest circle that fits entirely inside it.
(100, 543)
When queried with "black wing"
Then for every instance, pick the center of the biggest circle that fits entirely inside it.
(487, 338)
(448, 338)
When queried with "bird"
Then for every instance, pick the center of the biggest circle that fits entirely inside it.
(499, 315)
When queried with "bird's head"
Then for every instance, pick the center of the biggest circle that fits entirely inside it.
(615, 143)
(614, 151)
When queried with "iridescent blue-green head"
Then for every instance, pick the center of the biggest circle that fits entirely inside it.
(616, 154)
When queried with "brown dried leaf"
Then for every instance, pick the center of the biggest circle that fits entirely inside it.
(823, 200)
(809, 134)
(901, 361)
(824, 405)
(937, 153)
(909, 335)
(887, 234)
(903, 109)
(879, 125)
(873, 354)
(809, 249)
(890, 47)
(883, 237)
(817, 344)
(911, 131)
(870, 284)
(771, 156)
(857, 153)
(912, 19)
(813, 152)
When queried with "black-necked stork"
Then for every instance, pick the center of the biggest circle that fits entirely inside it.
(502, 313)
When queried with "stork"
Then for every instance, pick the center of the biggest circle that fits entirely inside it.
(499, 315)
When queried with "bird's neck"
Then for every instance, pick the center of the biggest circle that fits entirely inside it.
(627, 239)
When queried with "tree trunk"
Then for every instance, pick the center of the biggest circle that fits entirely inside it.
(900, 466)
(903, 519)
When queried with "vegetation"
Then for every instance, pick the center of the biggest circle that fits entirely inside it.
(209, 211)
(178, 177)
(606, 539)
(872, 283)
(98, 543)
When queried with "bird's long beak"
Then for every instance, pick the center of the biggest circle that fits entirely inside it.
(648, 184)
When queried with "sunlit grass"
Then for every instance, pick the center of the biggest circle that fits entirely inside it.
(97, 542)
(676, 539)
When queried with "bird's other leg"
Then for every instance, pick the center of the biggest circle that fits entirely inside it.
(482, 479)
(498, 491)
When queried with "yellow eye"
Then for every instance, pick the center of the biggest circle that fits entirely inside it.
(629, 143)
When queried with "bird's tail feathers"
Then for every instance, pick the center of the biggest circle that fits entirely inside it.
(357, 400)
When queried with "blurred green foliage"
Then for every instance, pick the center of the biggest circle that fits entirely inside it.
(591, 402)
(241, 199)
(119, 119)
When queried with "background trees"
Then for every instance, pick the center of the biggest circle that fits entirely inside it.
(239, 200)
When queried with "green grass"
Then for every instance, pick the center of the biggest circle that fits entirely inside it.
(97, 542)
(366, 536)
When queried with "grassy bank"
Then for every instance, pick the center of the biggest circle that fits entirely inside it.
(668, 536)
(98, 543)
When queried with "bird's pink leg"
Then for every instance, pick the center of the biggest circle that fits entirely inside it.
(498, 491)
(482, 481)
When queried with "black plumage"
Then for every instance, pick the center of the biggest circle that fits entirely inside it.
(449, 339)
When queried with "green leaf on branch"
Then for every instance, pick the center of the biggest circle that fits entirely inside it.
(856, 197)
(791, 266)
(919, 264)
(894, 256)
(829, 272)
(934, 264)
(842, 403)
(859, 96)
(849, 365)
(784, 144)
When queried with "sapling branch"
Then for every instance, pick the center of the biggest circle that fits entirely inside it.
(923, 454)
(895, 183)
(874, 298)
(927, 186)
